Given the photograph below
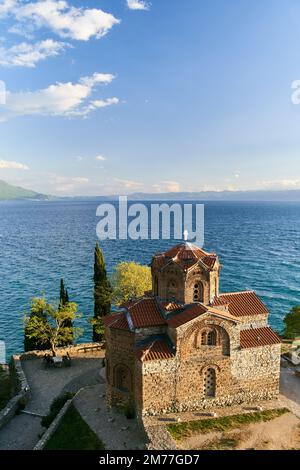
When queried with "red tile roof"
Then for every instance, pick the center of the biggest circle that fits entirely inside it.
(116, 320)
(155, 351)
(256, 337)
(186, 255)
(186, 315)
(145, 312)
(242, 304)
(171, 305)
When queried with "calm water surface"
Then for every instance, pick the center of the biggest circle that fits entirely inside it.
(40, 242)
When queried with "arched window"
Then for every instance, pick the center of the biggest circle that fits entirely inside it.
(198, 292)
(122, 378)
(211, 338)
(209, 383)
(208, 337)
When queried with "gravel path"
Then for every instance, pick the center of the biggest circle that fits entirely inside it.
(23, 431)
(112, 427)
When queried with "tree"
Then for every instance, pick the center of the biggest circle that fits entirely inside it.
(63, 301)
(102, 294)
(130, 280)
(63, 296)
(37, 310)
(50, 329)
(292, 323)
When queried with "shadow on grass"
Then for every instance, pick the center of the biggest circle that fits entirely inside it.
(74, 434)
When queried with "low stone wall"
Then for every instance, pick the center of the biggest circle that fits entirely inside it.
(55, 423)
(89, 350)
(21, 398)
(53, 426)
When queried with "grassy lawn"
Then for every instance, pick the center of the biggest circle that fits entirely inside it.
(5, 388)
(226, 423)
(74, 434)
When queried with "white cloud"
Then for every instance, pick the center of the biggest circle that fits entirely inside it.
(10, 165)
(138, 5)
(6, 6)
(27, 55)
(128, 184)
(282, 184)
(64, 184)
(166, 187)
(62, 99)
(100, 158)
(67, 21)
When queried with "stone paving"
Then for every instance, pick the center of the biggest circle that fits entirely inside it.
(112, 427)
(24, 431)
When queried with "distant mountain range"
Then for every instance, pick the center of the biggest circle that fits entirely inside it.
(9, 192)
(254, 196)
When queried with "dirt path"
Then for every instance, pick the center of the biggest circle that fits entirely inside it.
(281, 433)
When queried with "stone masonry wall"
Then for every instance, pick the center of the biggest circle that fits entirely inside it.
(120, 357)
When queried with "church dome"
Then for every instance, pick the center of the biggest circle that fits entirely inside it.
(186, 255)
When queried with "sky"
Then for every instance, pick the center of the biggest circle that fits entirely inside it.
(121, 96)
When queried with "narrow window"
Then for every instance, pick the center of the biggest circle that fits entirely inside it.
(210, 383)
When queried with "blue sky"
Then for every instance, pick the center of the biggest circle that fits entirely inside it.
(111, 96)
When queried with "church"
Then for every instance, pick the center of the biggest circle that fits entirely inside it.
(186, 346)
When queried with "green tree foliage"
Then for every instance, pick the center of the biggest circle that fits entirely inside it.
(37, 310)
(130, 280)
(64, 300)
(51, 328)
(292, 323)
(102, 294)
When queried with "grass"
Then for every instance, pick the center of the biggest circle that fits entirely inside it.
(74, 434)
(225, 443)
(6, 388)
(183, 430)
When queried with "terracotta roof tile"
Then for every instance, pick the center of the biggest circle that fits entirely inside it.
(155, 351)
(186, 315)
(116, 320)
(171, 305)
(186, 255)
(256, 337)
(145, 312)
(241, 304)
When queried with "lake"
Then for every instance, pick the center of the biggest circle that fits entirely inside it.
(258, 245)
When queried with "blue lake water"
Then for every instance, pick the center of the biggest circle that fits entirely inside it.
(40, 242)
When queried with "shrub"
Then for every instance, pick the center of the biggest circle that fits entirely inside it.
(55, 408)
(129, 411)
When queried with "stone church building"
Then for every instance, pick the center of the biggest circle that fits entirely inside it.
(186, 346)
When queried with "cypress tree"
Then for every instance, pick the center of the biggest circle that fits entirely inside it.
(63, 301)
(62, 293)
(102, 293)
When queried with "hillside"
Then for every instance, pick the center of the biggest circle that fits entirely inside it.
(9, 192)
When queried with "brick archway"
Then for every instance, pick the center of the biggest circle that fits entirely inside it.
(122, 378)
(191, 337)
